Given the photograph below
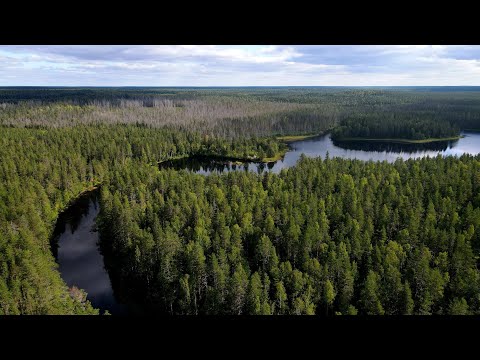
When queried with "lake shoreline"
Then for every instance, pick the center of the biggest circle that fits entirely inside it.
(286, 139)
(398, 141)
(312, 146)
(229, 159)
(292, 138)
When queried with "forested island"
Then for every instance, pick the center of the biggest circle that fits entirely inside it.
(327, 236)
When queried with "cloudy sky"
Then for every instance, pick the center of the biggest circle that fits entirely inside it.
(246, 65)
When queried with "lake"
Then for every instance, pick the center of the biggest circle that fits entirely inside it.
(75, 242)
(321, 145)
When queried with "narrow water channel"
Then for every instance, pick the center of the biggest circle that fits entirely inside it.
(75, 247)
(75, 241)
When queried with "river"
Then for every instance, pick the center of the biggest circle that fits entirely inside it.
(75, 247)
(75, 241)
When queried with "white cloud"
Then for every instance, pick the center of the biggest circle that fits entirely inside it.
(216, 65)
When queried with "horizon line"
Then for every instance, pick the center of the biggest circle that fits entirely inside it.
(236, 86)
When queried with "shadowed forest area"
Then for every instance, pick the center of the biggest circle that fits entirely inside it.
(328, 236)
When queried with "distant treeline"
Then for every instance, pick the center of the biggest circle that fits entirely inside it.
(416, 113)
(327, 236)
(394, 126)
(220, 116)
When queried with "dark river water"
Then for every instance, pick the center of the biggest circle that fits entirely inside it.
(80, 261)
(74, 243)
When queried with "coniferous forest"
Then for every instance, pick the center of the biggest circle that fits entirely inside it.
(327, 236)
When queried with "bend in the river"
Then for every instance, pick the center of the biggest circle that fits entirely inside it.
(75, 239)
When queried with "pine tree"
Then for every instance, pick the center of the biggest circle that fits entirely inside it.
(328, 295)
(370, 298)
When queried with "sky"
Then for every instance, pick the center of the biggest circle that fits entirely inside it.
(240, 65)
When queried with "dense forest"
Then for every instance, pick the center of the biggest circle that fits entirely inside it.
(414, 113)
(43, 170)
(328, 236)
(393, 126)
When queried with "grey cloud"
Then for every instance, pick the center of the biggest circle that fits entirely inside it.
(231, 65)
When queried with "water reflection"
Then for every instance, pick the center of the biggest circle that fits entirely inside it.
(394, 147)
(203, 165)
(321, 145)
(74, 245)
